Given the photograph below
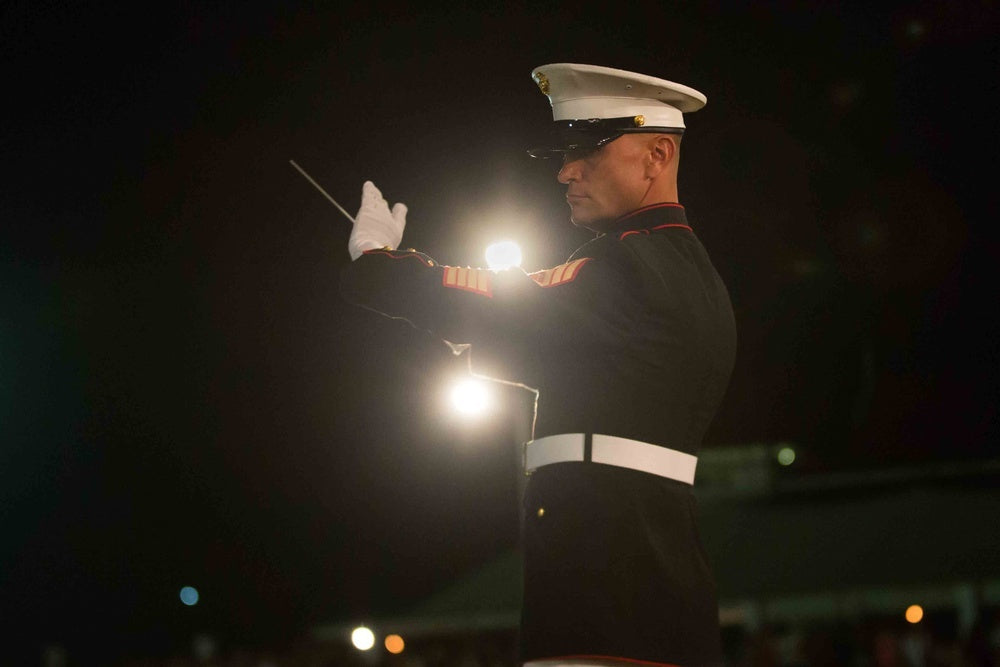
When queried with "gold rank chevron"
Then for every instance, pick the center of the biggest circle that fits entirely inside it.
(472, 280)
(559, 275)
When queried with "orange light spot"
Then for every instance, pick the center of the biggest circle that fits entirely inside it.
(914, 613)
(394, 644)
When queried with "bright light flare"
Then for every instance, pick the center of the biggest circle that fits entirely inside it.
(914, 613)
(503, 255)
(470, 397)
(362, 638)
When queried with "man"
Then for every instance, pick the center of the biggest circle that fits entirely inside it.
(630, 345)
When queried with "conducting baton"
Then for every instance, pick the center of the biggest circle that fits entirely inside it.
(324, 192)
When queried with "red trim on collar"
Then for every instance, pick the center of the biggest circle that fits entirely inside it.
(648, 208)
(676, 224)
(653, 229)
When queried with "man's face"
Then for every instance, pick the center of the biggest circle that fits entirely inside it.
(606, 183)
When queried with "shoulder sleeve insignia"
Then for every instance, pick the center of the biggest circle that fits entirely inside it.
(478, 281)
(560, 275)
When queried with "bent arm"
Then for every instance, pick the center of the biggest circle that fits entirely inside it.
(570, 305)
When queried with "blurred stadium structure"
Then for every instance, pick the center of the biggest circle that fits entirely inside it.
(825, 563)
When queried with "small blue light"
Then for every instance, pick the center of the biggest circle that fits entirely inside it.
(189, 596)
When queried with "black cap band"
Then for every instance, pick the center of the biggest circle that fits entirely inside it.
(592, 133)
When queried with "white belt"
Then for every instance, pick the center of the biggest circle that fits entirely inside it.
(610, 450)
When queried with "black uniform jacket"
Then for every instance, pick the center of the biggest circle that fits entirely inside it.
(633, 337)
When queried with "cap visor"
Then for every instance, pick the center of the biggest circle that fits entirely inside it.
(565, 141)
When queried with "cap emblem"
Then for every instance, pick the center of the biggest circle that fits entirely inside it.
(543, 82)
(640, 120)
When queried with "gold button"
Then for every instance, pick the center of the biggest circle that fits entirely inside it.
(541, 512)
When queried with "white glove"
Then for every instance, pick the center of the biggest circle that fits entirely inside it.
(374, 225)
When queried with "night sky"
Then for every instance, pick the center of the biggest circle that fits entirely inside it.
(185, 399)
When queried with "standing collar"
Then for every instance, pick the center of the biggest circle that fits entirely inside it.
(647, 217)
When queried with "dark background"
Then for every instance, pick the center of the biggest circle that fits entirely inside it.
(185, 400)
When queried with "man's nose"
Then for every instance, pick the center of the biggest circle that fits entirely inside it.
(569, 172)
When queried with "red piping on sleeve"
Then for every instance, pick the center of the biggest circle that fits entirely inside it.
(380, 251)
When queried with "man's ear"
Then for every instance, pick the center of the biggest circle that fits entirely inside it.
(662, 153)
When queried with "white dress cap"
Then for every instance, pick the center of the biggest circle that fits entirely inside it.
(579, 92)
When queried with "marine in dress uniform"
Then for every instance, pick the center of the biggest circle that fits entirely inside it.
(630, 344)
